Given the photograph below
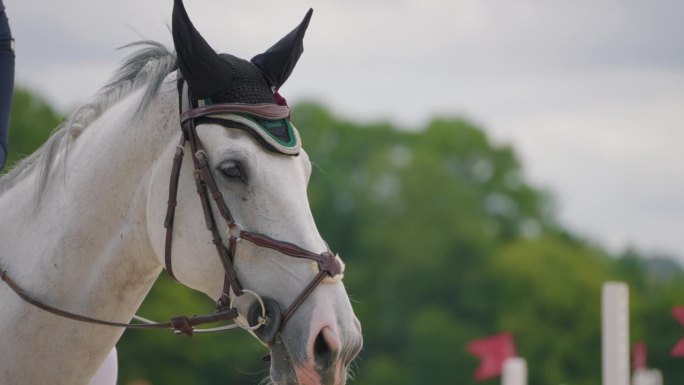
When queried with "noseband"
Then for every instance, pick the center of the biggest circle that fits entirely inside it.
(262, 316)
(328, 264)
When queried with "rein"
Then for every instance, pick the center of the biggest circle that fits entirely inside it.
(264, 316)
(178, 323)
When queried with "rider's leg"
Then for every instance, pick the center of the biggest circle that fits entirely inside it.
(6, 81)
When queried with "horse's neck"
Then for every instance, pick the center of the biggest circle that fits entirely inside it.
(83, 248)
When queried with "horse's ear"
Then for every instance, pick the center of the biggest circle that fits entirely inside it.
(278, 61)
(203, 69)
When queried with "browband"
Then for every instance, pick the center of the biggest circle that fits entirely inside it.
(262, 110)
(259, 119)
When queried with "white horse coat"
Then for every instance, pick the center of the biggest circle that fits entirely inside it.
(81, 229)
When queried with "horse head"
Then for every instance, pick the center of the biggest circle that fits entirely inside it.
(255, 167)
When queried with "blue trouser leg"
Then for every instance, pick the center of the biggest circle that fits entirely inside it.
(6, 82)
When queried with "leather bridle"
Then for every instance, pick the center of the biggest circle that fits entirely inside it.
(263, 316)
(329, 265)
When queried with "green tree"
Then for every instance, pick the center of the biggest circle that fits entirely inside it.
(550, 298)
(31, 122)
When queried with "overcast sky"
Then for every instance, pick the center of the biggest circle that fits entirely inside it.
(590, 93)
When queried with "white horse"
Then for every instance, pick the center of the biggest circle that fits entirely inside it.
(81, 229)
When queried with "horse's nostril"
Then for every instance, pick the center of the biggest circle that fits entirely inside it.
(324, 349)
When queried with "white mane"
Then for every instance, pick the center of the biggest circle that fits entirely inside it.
(146, 67)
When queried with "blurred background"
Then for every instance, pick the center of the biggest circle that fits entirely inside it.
(483, 166)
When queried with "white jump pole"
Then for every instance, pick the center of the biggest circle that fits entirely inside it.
(514, 371)
(615, 328)
(656, 377)
(647, 377)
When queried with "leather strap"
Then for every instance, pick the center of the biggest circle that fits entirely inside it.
(263, 110)
(205, 183)
(172, 202)
(302, 297)
(326, 261)
(182, 324)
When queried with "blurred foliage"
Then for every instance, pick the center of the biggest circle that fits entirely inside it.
(31, 122)
(445, 242)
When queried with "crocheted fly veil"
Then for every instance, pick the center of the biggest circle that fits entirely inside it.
(222, 78)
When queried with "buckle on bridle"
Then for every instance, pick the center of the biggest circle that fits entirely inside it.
(331, 264)
(235, 231)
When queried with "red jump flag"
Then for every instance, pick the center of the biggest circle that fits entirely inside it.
(678, 313)
(639, 356)
(493, 351)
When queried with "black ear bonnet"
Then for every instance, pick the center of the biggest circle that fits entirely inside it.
(224, 78)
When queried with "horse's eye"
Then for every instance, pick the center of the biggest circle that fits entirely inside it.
(232, 169)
